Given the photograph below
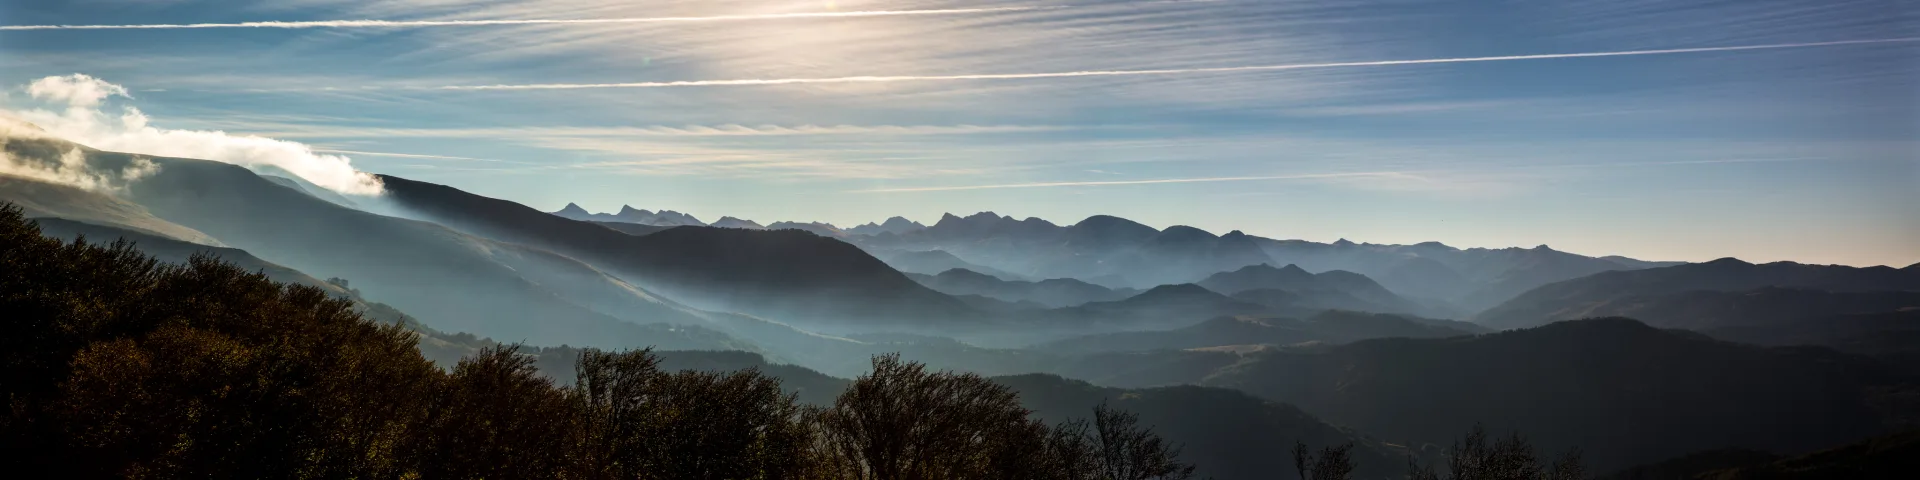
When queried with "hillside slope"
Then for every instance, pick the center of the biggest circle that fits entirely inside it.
(1624, 392)
(447, 279)
(1617, 291)
(781, 274)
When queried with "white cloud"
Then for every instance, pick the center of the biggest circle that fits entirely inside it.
(71, 168)
(83, 119)
(77, 90)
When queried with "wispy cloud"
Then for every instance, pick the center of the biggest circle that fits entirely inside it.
(1168, 71)
(400, 155)
(393, 24)
(721, 130)
(1491, 180)
(82, 118)
(1400, 108)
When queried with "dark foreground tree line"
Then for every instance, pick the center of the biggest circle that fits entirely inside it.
(1472, 457)
(115, 365)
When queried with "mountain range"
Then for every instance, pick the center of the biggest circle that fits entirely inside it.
(1120, 253)
(1052, 293)
(1233, 344)
(628, 214)
(1332, 327)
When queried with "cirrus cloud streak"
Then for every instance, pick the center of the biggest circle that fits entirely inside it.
(1168, 71)
(482, 23)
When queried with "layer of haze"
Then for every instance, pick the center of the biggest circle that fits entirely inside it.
(1805, 154)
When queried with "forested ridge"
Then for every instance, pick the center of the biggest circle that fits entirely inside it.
(116, 365)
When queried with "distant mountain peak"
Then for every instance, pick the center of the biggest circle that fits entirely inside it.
(1543, 248)
(1183, 289)
(1109, 223)
(626, 210)
(732, 222)
(892, 225)
(1729, 262)
(573, 209)
(677, 217)
(1183, 235)
(965, 273)
(817, 228)
(1432, 244)
(1268, 268)
(1343, 243)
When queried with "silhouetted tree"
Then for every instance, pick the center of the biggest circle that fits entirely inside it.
(640, 422)
(1071, 453)
(496, 417)
(1129, 451)
(1334, 463)
(1510, 458)
(902, 422)
(115, 365)
(1302, 458)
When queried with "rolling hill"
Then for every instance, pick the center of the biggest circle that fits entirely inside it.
(1332, 327)
(1051, 293)
(1623, 392)
(447, 279)
(1668, 293)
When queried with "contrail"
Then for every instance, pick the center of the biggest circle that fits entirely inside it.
(1171, 71)
(477, 23)
(1139, 182)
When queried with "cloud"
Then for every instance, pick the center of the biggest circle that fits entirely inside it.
(77, 90)
(478, 23)
(722, 130)
(401, 155)
(1153, 72)
(71, 168)
(83, 120)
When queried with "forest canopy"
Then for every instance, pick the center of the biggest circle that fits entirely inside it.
(116, 365)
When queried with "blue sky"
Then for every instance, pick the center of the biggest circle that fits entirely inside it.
(1804, 153)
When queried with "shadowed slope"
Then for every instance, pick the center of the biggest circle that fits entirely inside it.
(1612, 291)
(782, 274)
(41, 199)
(175, 251)
(447, 279)
(1328, 327)
(1623, 392)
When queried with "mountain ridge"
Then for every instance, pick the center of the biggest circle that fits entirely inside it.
(777, 273)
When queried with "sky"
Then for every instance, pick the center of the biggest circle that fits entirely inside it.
(1666, 130)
